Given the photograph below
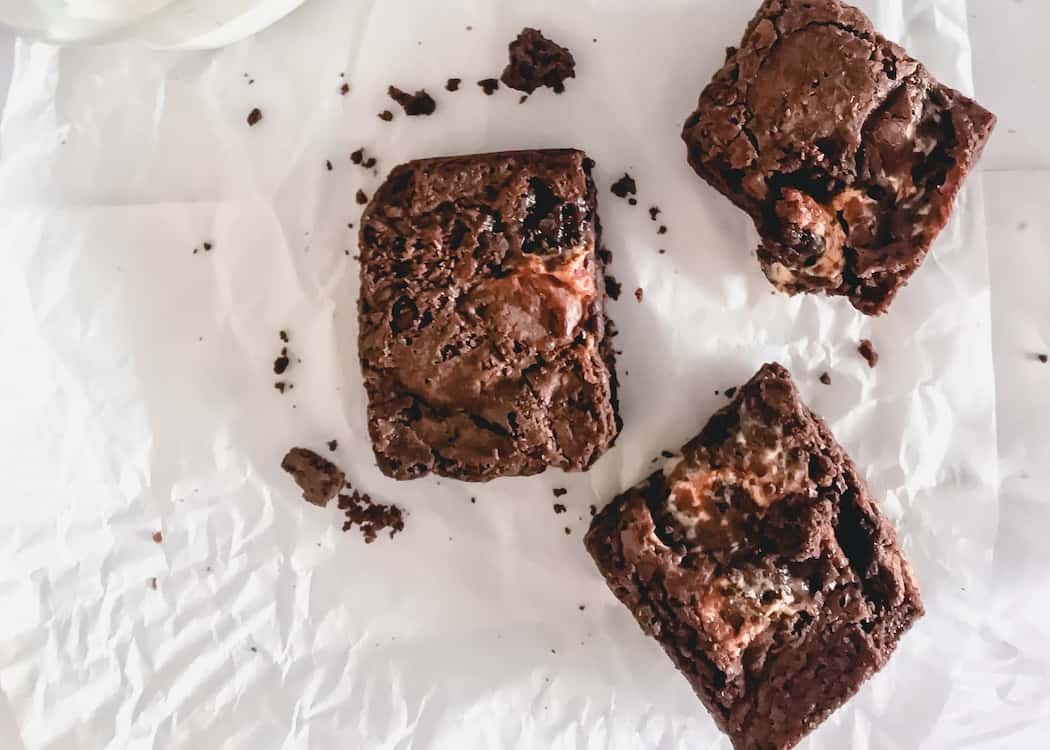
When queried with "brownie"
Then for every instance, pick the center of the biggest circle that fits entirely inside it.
(759, 560)
(845, 151)
(537, 61)
(482, 327)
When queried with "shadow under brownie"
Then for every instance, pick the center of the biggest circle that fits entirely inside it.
(482, 327)
(845, 151)
(759, 560)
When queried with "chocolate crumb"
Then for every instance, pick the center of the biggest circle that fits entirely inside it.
(537, 61)
(654, 212)
(453, 84)
(361, 197)
(283, 335)
(559, 508)
(594, 511)
(318, 478)
(624, 186)
(386, 115)
(344, 89)
(612, 287)
(280, 386)
(730, 392)
(825, 379)
(369, 516)
(333, 444)
(419, 103)
(560, 492)
(254, 117)
(280, 364)
(158, 537)
(358, 156)
(639, 293)
(489, 86)
(867, 350)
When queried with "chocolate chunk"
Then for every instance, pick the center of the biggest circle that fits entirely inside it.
(254, 117)
(867, 350)
(419, 103)
(318, 478)
(489, 86)
(624, 186)
(537, 61)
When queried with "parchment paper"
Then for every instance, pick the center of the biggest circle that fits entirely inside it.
(138, 394)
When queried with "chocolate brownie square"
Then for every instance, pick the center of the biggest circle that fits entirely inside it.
(759, 560)
(845, 151)
(482, 326)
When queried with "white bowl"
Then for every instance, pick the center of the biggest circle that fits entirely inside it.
(159, 23)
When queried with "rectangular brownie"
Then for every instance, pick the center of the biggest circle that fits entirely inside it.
(845, 151)
(759, 560)
(482, 326)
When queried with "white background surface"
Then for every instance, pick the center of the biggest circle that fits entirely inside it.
(1009, 668)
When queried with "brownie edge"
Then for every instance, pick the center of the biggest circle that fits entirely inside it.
(482, 336)
(759, 560)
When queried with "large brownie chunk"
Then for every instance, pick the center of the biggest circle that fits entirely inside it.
(844, 150)
(760, 562)
(482, 326)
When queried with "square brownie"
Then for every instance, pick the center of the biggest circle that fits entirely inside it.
(845, 151)
(759, 560)
(482, 327)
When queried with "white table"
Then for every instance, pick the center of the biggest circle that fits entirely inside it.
(1012, 79)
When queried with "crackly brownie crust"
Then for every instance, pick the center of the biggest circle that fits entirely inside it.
(844, 150)
(482, 328)
(759, 560)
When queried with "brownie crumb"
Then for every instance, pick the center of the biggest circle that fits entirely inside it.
(283, 336)
(419, 103)
(281, 386)
(560, 492)
(825, 379)
(1044, 358)
(361, 197)
(639, 293)
(867, 350)
(731, 392)
(333, 444)
(594, 511)
(207, 247)
(153, 583)
(453, 84)
(386, 115)
(559, 508)
(358, 156)
(567, 532)
(489, 86)
(624, 186)
(583, 607)
(254, 117)
(281, 363)
(662, 251)
(537, 61)
(369, 516)
(473, 501)
(318, 478)
(668, 454)
(328, 164)
(654, 212)
(369, 162)
(158, 537)
(344, 89)
(612, 287)
(632, 201)
(662, 229)
(605, 255)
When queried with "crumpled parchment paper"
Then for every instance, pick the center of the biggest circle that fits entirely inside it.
(138, 394)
